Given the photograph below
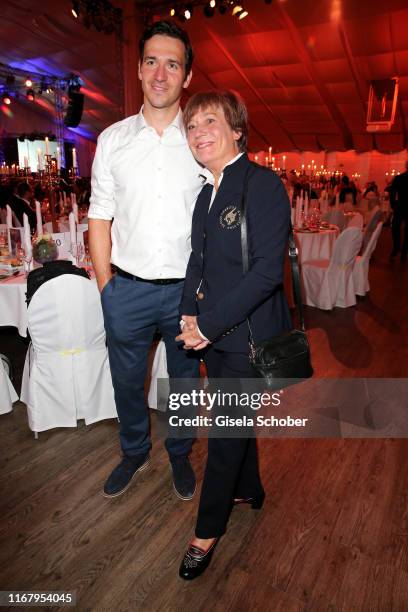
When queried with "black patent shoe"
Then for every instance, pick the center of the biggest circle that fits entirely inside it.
(256, 501)
(196, 561)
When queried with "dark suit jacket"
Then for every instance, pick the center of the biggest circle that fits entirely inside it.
(19, 207)
(226, 296)
(399, 194)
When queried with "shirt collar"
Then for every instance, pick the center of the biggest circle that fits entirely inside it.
(140, 122)
(209, 177)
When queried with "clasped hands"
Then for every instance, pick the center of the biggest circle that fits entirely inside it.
(190, 334)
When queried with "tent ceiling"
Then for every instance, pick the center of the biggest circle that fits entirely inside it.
(303, 73)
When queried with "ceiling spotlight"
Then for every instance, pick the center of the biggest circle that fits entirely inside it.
(28, 82)
(188, 11)
(75, 9)
(242, 15)
(212, 3)
(237, 9)
(30, 95)
(172, 12)
(6, 99)
(209, 10)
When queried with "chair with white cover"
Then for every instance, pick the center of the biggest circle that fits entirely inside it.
(373, 218)
(361, 267)
(334, 216)
(328, 283)
(8, 394)
(356, 221)
(66, 373)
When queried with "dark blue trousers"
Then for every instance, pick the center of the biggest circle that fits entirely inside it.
(133, 310)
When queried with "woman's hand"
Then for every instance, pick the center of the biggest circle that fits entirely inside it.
(190, 334)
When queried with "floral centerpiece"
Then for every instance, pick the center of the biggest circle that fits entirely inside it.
(44, 249)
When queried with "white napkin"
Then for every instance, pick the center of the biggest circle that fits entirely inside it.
(39, 218)
(306, 206)
(28, 249)
(75, 209)
(9, 217)
(72, 229)
(298, 213)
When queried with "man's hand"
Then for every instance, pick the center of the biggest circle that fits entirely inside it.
(103, 282)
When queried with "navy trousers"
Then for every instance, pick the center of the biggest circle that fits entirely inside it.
(133, 311)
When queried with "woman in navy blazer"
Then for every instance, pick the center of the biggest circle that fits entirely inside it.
(218, 297)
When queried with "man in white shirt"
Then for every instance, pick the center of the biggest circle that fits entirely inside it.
(144, 185)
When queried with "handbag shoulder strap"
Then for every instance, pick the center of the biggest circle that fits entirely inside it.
(293, 252)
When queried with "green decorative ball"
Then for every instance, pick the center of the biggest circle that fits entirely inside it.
(45, 251)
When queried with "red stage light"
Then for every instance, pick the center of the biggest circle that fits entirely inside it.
(30, 95)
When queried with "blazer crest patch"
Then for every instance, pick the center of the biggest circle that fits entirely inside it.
(230, 218)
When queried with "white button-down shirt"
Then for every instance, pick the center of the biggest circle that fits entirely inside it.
(148, 185)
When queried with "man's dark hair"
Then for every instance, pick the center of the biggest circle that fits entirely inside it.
(168, 28)
(23, 188)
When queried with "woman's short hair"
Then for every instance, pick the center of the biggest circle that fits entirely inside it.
(234, 108)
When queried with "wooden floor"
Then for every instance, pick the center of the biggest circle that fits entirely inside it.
(333, 535)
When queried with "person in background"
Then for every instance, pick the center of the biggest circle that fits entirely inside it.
(399, 205)
(144, 185)
(347, 189)
(218, 297)
(20, 203)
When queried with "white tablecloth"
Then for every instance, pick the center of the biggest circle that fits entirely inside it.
(13, 307)
(315, 245)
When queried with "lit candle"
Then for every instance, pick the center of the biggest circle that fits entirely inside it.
(256, 158)
(13, 168)
(47, 152)
(74, 158)
(58, 158)
(284, 162)
(25, 161)
(273, 161)
(270, 152)
(39, 157)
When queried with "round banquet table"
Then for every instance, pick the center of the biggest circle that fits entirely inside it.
(13, 307)
(316, 245)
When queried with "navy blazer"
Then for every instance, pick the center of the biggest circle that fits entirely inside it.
(216, 288)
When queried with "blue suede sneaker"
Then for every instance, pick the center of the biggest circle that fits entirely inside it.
(122, 476)
(184, 480)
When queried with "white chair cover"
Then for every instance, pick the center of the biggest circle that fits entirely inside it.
(356, 221)
(159, 370)
(373, 218)
(329, 283)
(66, 373)
(336, 217)
(8, 394)
(361, 267)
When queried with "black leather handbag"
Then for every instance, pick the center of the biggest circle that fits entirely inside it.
(286, 356)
